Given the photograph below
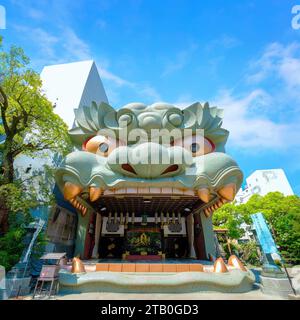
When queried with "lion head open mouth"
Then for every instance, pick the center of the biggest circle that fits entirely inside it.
(130, 179)
(148, 200)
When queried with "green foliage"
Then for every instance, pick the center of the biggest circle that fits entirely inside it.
(229, 218)
(15, 199)
(12, 244)
(33, 129)
(11, 247)
(248, 253)
(282, 213)
(29, 123)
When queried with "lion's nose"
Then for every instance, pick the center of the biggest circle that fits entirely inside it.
(172, 168)
(149, 160)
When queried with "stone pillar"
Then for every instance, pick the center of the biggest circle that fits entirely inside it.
(190, 233)
(208, 234)
(95, 254)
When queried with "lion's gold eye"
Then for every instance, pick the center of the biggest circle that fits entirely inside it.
(196, 144)
(101, 145)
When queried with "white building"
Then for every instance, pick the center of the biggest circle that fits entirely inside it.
(262, 182)
(71, 85)
(248, 233)
(67, 86)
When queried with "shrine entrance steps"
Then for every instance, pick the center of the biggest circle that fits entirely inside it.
(148, 267)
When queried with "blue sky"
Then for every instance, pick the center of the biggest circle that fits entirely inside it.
(243, 56)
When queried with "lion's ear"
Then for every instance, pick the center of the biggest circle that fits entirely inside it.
(89, 120)
(209, 119)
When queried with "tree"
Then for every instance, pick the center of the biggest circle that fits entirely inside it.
(28, 122)
(281, 212)
(228, 217)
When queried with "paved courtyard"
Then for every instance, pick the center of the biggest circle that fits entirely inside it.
(255, 294)
(252, 295)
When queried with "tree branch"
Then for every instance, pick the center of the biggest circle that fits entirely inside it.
(3, 110)
(35, 147)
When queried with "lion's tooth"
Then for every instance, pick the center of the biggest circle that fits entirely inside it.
(206, 212)
(233, 261)
(77, 266)
(84, 211)
(228, 192)
(223, 200)
(73, 202)
(71, 190)
(219, 266)
(204, 194)
(95, 193)
(219, 204)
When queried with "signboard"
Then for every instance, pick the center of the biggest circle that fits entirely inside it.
(263, 233)
(2, 136)
(2, 17)
(49, 272)
(2, 278)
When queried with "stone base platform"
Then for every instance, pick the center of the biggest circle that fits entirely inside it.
(276, 286)
(234, 281)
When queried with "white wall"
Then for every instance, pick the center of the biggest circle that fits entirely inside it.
(264, 181)
(71, 85)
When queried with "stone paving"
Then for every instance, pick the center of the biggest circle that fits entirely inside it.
(252, 295)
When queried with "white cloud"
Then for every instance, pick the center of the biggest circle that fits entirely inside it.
(252, 130)
(105, 74)
(225, 41)
(74, 46)
(180, 61)
(56, 48)
(290, 72)
(150, 92)
(35, 14)
(45, 41)
(250, 124)
(66, 46)
(279, 61)
(143, 91)
(266, 117)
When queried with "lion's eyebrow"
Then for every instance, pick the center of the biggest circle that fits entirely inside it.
(91, 119)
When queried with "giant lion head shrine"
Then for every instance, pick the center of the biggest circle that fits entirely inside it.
(145, 181)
